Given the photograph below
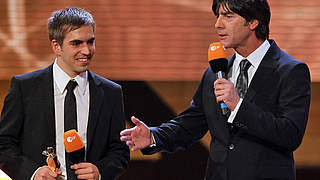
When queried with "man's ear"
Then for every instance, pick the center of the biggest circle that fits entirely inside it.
(56, 47)
(253, 24)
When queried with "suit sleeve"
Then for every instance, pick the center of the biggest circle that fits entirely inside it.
(117, 156)
(182, 131)
(283, 127)
(13, 162)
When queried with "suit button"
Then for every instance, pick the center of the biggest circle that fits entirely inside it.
(231, 146)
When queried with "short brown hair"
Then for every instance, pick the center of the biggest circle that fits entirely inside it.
(249, 10)
(65, 20)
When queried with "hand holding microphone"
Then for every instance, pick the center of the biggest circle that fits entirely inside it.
(225, 91)
(75, 150)
(217, 58)
(74, 146)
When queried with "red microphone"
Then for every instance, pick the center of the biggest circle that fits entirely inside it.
(74, 146)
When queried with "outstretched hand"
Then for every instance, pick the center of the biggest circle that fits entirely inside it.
(138, 137)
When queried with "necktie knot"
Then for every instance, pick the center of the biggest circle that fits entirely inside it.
(71, 85)
(244, 65)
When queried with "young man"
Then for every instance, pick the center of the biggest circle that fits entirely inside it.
(268, 117)
(34, 115)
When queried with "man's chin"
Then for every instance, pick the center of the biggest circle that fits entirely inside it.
(225, 44)
(82, 69)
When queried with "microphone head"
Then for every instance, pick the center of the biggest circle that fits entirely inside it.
(216, 51)
(72, 141)
(217, 57)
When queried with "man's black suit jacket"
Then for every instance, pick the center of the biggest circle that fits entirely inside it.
(27, 125)
(268, 127)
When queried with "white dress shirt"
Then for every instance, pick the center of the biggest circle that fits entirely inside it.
(81, 92)
(255, 59)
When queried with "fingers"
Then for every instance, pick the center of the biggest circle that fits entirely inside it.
(53, 175)
(137, 137)
(125, 135)
(226, 92)
(125, 138)
(130, 143)
(128, 140)
(45, 173)
(126, 132)
(135, 121)
(219, 89)
(86, 171)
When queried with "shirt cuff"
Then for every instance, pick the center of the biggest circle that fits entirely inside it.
(234, 112)
(153, 140)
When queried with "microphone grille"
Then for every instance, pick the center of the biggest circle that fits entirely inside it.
(216, 51)
(72, 141)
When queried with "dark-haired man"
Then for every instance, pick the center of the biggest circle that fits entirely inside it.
(268, 97)
(36, 111)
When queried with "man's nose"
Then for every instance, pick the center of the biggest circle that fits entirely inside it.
(218, 23)
(86, 49)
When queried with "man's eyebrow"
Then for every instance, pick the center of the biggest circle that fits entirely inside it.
(226, 13)
(76, 41)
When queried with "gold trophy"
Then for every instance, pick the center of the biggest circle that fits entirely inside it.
(52, 160)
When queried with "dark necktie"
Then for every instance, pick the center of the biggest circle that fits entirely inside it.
(242, 81)
(70, 121)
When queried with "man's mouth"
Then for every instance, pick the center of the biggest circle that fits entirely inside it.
(83, 59)
(222, 36)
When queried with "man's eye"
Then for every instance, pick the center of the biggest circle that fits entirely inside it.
(91, 42)
(75, 43)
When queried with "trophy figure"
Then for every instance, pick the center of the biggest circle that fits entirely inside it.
(52, 160)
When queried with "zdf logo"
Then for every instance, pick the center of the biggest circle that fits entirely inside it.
(71, 138)
(216, 47)
(213, 48)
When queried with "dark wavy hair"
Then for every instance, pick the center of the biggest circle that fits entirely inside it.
(249, 10)
(65, 20)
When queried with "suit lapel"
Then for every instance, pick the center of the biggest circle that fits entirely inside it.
(46, 95)
(262, 75)
(264, 71)
(230, 64)
(96, 99)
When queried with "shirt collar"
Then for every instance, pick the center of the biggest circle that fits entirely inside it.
(61, 78)
(256, 56)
